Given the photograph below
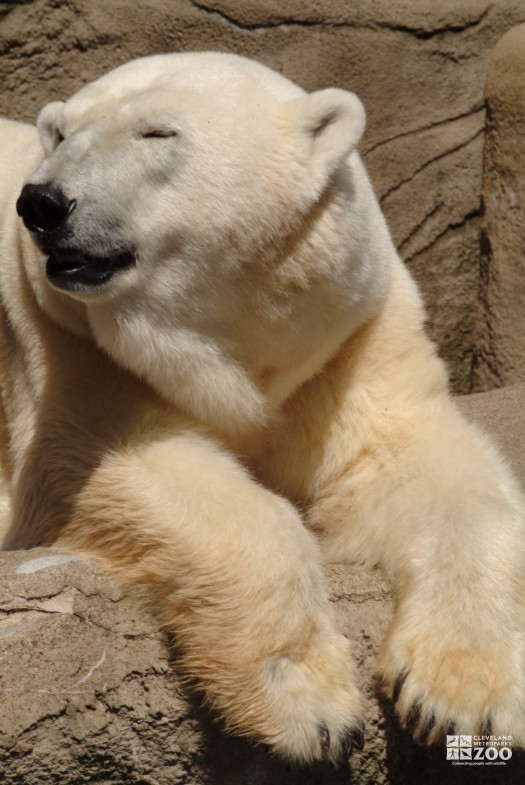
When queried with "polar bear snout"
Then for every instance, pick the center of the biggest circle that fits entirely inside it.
(43, 207)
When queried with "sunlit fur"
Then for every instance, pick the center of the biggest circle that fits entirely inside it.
(254, 396)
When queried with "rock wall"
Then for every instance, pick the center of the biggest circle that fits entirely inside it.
(90, 694)
(499, 340)
(419, 68)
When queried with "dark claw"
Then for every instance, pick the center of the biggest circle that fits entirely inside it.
(426, 728)
(412, 721)
(324, 735)
(399, 686)
(353, 740)
(487, 728)
(347, 746)
(358, 737)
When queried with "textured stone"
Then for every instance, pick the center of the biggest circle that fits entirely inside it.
(90, 693)
(502, 413)
(499, 356)
(419, 68)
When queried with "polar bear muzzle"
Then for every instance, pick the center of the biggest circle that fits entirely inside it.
(45, 208)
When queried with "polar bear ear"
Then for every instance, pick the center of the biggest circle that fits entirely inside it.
(333, 121)
(47, 126)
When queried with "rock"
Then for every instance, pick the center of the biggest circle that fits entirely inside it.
(90, 693)
(419, 68)
(502, 414)
(499, 347)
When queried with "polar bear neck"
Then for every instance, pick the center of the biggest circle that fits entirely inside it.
(337, 275)
(263, 330)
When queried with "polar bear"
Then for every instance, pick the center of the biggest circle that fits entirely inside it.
(215, 377)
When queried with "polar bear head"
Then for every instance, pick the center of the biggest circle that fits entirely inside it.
(210, 222)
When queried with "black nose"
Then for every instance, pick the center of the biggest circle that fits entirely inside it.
(43, 207)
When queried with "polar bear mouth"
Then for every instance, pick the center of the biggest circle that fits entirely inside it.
(74, 269)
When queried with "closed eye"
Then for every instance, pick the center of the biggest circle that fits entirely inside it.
(158, 133)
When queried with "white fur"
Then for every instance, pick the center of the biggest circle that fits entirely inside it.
(267, 343)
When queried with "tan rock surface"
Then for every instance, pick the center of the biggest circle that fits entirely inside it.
(89, 694)
(502, 413)
(419, 68)
(499, 355)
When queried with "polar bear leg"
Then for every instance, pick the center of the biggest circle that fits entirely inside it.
(233, 572)
(438, 507)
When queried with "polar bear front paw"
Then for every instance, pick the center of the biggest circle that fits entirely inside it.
(438, 687)
(316, 705)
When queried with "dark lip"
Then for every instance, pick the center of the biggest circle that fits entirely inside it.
(73, 269)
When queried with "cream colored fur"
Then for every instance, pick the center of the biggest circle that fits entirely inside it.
(264, 354)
